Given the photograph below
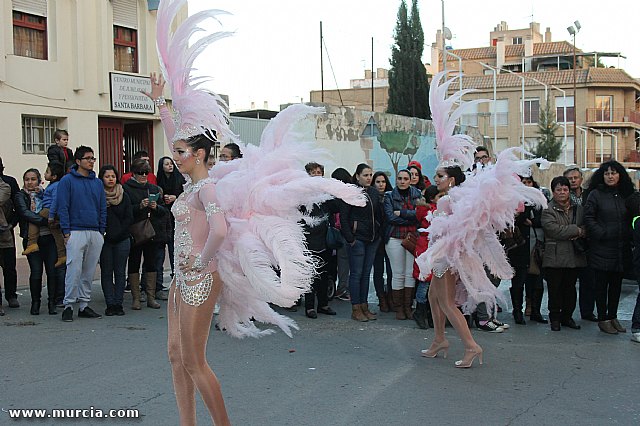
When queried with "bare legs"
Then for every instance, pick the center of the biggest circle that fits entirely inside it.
(442, 292)
(189, 328)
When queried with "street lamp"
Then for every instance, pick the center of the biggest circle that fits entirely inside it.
(601, 144)
(564, 125)
(494, 106)
(584, 131)
(573, 30)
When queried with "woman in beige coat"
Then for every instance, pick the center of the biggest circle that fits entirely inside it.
(564, 232)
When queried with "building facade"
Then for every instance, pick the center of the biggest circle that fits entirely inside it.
(600, 121)
(80, 66)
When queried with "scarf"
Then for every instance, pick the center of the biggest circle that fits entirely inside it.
(114, 197)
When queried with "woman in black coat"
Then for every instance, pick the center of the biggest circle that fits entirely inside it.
(25, 206)
(608, 233)
(171, 181)
(147, 202)
(360, 227)
(117, 241)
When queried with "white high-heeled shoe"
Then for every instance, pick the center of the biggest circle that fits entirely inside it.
(435, 349)
(469, 356)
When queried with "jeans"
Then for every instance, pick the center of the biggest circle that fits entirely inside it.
(635, 320)
(379, 263)
(561, 288)
(361, 255)
(608, 288)
(83, 253)
(113, 262)
(342, 257)
(422, 291)
(9, 272)
(319, 285)
(587, 291)
(401, 264)
(46, 256)
(160, 256)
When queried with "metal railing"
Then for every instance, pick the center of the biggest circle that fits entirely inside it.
(610, 115)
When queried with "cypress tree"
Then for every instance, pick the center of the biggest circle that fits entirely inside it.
(408, 88)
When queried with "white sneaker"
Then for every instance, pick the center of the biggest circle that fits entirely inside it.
(500, 323)
(635, 337)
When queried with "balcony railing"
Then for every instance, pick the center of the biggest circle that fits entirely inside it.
(615, 115)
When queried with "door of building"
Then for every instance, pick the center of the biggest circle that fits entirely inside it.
(138, 137)
(110, 143)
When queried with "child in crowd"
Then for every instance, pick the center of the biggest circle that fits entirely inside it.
(422, 314)
(43, 203)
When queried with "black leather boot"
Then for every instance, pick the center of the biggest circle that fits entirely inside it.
(419, 315)
(516, 300)
(52, 307)
(536, 303)
(35, 307)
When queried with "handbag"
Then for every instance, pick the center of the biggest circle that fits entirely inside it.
(579, 244)
(142, 232)
(409, 242)
(512, 238)
(333, 238)
(537, 254)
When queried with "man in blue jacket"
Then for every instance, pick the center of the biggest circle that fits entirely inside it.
(82, 208)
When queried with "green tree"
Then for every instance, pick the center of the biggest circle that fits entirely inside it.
(549, 146)
(408, 87)
(398, 144)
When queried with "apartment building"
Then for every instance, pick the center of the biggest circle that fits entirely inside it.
(77, 65)
(600, 121)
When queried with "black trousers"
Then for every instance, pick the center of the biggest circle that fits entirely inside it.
(608, 288)
(320, 283)
(587, 291)
(45, 257)
(561, 285)
(9, 272)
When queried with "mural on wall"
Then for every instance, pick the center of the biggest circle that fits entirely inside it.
(386, 142)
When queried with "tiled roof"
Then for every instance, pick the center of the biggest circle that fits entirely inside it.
(556, 78)
(511, 50)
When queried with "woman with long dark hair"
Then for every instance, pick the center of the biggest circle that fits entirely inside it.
(117, 241)
(608, 225)
(27, 204)
(382, 185)
(171, 181)
(360, 227)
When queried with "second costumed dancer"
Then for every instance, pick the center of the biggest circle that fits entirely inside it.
(239, 238)
(464, 229)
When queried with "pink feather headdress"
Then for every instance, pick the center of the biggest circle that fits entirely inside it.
(452, 149)
(196, 109)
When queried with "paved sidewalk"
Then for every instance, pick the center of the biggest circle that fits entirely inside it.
(335, 371)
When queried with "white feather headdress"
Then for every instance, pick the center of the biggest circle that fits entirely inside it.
(196, 109)
(452, 149)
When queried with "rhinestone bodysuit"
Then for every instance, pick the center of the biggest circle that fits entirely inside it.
(190, 233)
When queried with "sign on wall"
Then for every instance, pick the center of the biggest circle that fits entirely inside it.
(126, 93)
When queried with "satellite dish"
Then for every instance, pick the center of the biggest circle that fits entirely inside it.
(447, 34)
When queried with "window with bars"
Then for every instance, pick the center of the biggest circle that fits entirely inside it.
(37, 134)
(125, 49)
(531, 111)
(29, 35)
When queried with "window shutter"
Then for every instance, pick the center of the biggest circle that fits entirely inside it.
(32, 7)
(125, 13)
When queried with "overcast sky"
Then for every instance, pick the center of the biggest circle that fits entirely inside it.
(274, 55)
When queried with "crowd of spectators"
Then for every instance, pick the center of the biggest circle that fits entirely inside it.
(585, 235)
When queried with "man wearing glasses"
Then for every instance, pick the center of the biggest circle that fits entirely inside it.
(82, 208)
(482, 157)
